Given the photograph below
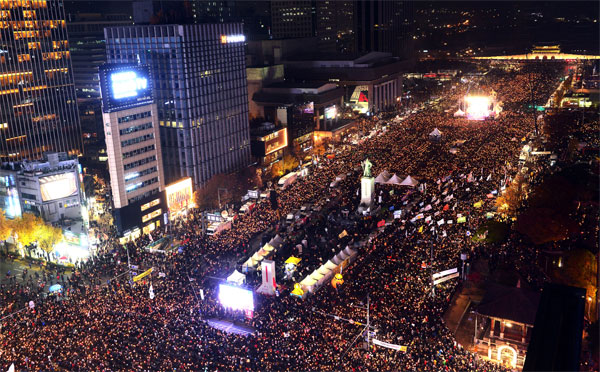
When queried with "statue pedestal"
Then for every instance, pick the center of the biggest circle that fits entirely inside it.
(367, 188)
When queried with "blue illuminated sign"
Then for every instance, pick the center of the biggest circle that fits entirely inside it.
(124, 86)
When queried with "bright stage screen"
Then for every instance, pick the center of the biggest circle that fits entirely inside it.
(236, 298)
(58, 186)
(477, 107)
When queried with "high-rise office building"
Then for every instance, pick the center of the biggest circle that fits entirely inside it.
(38, 108)
(296, 18)
(133, 146)
(335, 23)
(200, 89)
(384, 26)
(86, 38)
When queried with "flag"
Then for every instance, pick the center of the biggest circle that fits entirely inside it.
(489, 178)
(343, 234)
(421, 230)
(151, 238)
(461, 219)
(151, 292)
(470, 177)
(11, 368)
(446, 207)
(479, 204)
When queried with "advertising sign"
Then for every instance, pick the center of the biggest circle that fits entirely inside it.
(124, 86)
(58, 186)
(275, 141)
(330, 112)
(179, 195)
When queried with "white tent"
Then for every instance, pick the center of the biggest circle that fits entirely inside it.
(237, 278)
(330, 265)
(323, 270)
(250, 263)
(316, 275)
(459, 113)
(435, 133)
(394, 180)
(277, 241)
(381, 178)
(409, 181)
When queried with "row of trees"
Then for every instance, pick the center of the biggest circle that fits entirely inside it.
(27, 230)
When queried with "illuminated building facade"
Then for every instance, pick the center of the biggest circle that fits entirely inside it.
(50, 188)
(199, 75)
(133, 147)
(38, 109)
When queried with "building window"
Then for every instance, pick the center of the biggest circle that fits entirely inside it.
(135, 140)
(136, 128)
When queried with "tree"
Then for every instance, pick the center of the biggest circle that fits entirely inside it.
(208, 196)
(290, 162)
(26, 229)
(510, 200)
(48, 237)
(6, 228)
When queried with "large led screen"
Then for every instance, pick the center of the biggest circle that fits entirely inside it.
(237, 298)
(124, 86)
(179, 195)
(58, 186)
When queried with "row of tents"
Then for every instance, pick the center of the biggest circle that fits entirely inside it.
(262, 253)
(386, 179)
(325, 272)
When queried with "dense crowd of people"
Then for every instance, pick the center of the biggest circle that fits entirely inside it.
(111, 325)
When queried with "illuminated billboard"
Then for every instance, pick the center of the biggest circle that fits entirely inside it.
(179, 195)
(236, 298)
(227, 39)
(330, 112)
(275, 141)
(58, 186)
(124, 86)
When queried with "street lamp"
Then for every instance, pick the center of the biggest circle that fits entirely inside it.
(219, 195)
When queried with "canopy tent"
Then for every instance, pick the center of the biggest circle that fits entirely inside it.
(293, 260)
(308, 284)
(459, 113)
(381, 178)
(237, 278)
(349, 252)
(394, 180)
(250, 263)
(409, 181)
(316, 275)
(323, 270)
(268, 247)
(435, 133)
(330, 265)
(277, 241)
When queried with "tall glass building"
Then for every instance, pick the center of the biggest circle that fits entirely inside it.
(199, 80)
(38, 109)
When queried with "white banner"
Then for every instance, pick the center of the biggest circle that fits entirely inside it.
(390, 346)
(441, 280)
(445, 272)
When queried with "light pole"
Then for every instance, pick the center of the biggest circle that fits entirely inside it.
(219, 195)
